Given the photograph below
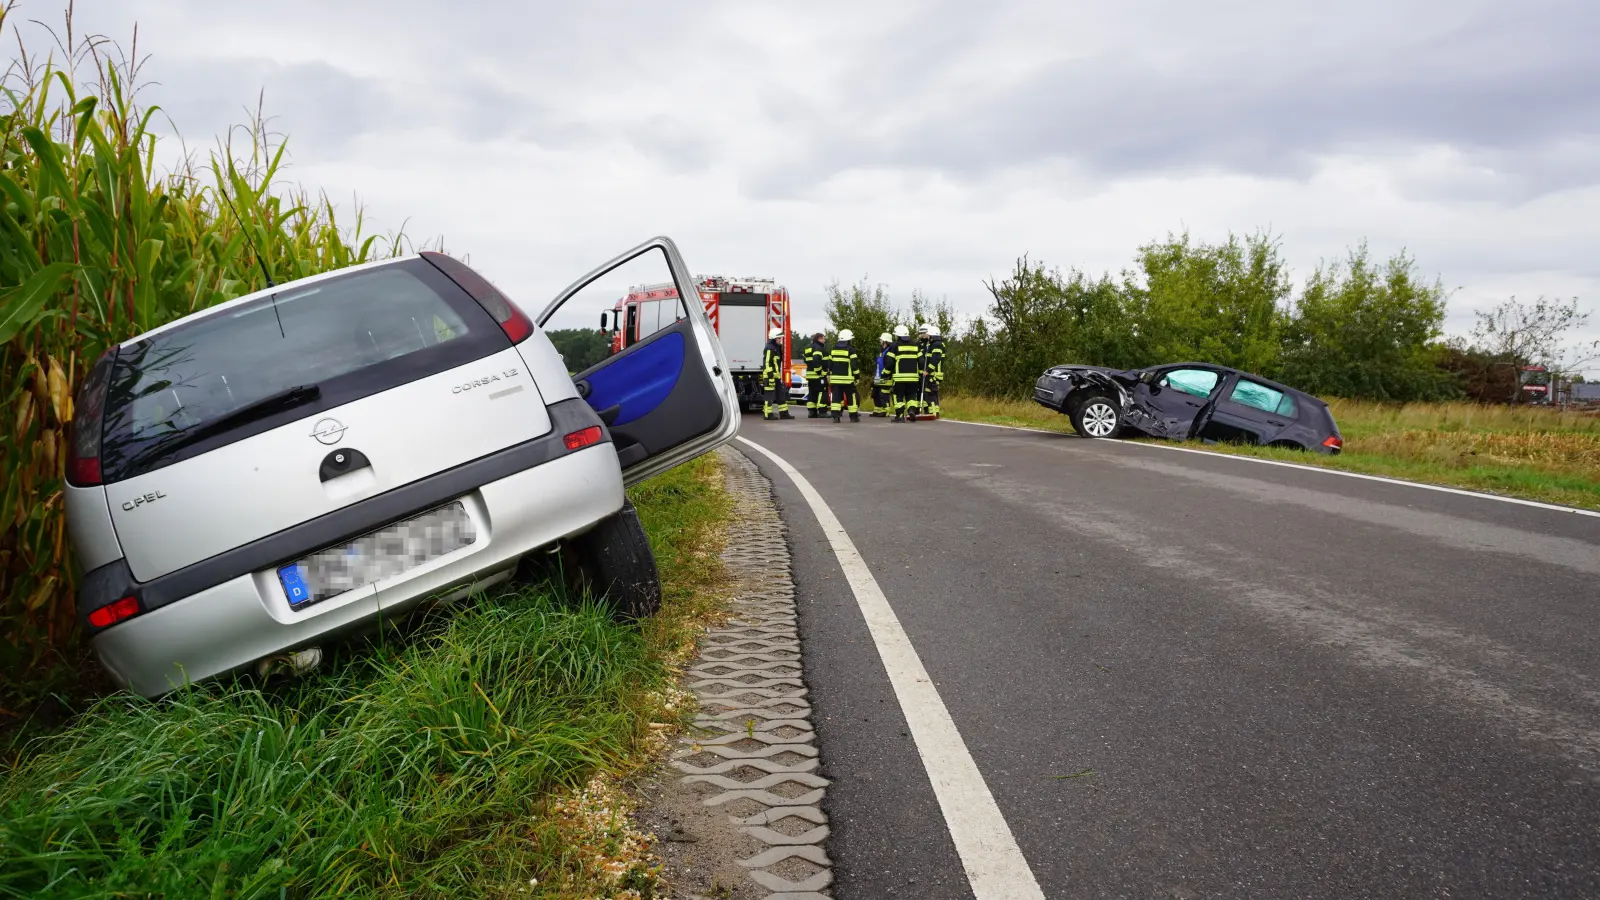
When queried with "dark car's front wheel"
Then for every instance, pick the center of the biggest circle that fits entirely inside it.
(1097, 417)
(611, 562)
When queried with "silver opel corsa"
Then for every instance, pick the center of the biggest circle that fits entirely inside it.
(256, 480)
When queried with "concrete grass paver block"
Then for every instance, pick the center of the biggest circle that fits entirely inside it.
(749, 682)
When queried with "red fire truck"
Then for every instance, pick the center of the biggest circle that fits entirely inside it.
(741, 309)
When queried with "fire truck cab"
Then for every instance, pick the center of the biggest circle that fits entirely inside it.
(741, 310)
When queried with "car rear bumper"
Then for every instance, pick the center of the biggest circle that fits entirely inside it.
(247, 618)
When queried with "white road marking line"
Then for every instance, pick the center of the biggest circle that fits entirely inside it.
(1288, 465)
(994, 864)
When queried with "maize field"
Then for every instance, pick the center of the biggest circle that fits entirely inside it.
(99, 242)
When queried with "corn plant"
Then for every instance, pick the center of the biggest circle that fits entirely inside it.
(97, 246)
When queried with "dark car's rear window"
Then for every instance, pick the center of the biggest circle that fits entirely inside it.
(350, 336)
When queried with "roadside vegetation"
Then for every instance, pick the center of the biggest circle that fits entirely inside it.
(97, 244)
(479, 753)
(1415, 405)
(1531, 452)
(1357, 327)
(479, 757)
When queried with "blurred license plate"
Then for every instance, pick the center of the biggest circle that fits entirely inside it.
(373, 557)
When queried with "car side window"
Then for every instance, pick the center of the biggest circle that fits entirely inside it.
(1257, 396)
(1286, 407)
(1198, 382)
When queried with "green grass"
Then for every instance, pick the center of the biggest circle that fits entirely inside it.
(444, 765)
(1525, 452)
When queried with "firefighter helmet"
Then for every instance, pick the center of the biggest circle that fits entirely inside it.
(902, 331)
(846, 335)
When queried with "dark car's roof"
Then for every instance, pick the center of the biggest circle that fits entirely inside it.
(1253, 376)
(1197, 365)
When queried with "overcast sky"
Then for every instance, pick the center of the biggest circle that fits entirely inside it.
(924, 145)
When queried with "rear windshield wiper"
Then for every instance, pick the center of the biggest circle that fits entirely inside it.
(289, 398)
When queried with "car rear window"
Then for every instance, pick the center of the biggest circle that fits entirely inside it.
(349, 336)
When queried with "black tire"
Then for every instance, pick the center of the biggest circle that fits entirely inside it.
(613, 563)
(1097, 416)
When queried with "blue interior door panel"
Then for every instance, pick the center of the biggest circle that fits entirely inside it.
(639, 382)
(660, 391)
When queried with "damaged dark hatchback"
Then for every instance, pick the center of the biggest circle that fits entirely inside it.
(1186, 401)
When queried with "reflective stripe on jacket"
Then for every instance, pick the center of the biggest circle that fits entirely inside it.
(907, 360)
(772, 360)
(816, 354)
(935, 361)
(843, 364)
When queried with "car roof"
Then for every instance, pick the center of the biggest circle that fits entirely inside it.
(1251, 375)
(239, 301)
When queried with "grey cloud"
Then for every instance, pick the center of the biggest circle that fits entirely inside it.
(1502, 87)
(320, 107)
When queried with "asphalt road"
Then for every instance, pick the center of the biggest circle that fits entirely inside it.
(1278, 683)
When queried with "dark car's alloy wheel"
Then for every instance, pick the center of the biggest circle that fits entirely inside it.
(1097, 418)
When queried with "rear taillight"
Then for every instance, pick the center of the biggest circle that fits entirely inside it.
(517, 326)
(1334, 442)
(111, 614)
(580, 439)
(88, 418)
(513, 321)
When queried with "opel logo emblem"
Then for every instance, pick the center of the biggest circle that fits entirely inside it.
(328, 431)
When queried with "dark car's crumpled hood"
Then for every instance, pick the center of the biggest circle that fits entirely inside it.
(1125, 375)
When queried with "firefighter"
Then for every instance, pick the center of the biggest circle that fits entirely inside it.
(774, 381)
(933, 369)
(844, 366)
(922, 373)
(882, 378)
(816, 359)
(906, 367)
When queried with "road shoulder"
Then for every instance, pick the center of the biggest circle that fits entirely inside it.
(737, 809)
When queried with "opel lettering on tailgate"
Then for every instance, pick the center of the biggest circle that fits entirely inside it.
(141, 500)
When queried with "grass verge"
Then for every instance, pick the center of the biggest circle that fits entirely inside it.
(476, 759)
(1524, 452)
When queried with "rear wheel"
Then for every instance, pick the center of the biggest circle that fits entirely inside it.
(1097, 417)
(612, 562)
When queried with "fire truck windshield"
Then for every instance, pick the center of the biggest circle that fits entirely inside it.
(650, 316)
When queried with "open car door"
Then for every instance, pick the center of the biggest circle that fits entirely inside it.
(668, 396)
(1171, 403)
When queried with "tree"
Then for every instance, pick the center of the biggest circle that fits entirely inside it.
(930, 312)
(1025, 340)
(580, 347)
(1516, 334)
(1365, 330)
(1038, 318)
(1216, 303)
(863, 308)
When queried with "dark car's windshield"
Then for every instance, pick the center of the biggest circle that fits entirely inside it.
(348, 336)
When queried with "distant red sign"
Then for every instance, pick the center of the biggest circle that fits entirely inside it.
(1536, 388)
(1533, 368)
